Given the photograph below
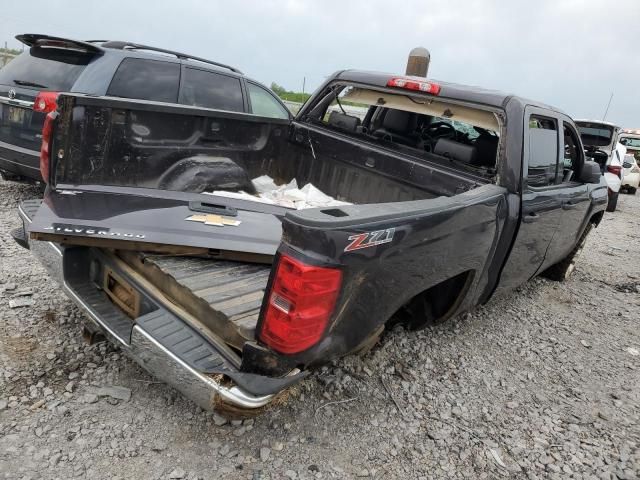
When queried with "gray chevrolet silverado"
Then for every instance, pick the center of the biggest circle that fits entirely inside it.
(449, 195)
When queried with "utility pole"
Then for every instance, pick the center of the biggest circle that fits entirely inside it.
(304, 81)
(607, 109)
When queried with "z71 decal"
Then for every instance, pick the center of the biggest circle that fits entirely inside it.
(370, 239)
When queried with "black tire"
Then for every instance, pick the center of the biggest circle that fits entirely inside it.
(613, 202)
(631, 190)
(564, 268)
(11, 177)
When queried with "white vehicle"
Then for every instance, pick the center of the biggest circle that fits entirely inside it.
(600, 141)
(631, 139)
(630, 173)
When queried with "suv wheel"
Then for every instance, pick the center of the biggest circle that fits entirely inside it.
(10, 176)
(613, 202)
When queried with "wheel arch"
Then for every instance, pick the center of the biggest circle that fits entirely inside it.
(435, 304)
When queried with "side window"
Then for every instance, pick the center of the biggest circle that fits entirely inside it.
(543, 151)
(146, 80)
(202, 88)
(572, 154)
(264, 104)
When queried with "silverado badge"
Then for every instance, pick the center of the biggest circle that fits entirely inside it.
(216, 220)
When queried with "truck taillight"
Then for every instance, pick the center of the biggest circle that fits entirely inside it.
(46, 102)
(45, 147)
(615, 169)
(412, 84)
(300, 303)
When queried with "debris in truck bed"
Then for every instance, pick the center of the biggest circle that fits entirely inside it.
(289, 195)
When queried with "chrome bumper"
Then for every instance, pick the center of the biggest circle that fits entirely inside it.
(146, 351)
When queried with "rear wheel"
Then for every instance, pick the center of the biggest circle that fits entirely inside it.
(613, 202)
(10, 176)
(565, 267)
(631, 190)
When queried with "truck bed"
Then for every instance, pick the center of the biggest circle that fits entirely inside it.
(231, 292)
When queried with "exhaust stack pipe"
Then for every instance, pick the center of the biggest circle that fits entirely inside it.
(418, 62)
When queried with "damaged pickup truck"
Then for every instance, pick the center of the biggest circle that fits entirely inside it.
(444, 195)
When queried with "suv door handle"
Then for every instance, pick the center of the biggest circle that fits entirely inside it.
(531, 217)
(569, 206)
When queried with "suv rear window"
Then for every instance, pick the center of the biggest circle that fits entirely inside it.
(143, 79)
(596, 135)
(201, 88)
(50, 68)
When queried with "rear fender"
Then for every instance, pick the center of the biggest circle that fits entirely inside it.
(389, 253)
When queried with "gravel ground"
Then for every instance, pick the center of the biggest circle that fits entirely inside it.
(544, 383)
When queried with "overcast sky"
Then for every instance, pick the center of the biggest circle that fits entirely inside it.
(569, 53)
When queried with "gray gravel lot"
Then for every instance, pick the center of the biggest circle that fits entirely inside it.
(544, 383)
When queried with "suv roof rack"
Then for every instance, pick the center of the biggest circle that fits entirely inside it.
(136, 46)
(38, 40)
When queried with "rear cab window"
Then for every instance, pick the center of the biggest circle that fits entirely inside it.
(144, 79)
(38, 68)
(462, 137)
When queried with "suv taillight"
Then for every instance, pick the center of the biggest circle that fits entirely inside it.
(300, 303)
(615, 169)
(45, 147)
(46, 102)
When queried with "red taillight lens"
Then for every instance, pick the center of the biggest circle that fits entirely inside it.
(615, 169)
(45, 147)
(413, 84)
(301, 301)
(45, 102)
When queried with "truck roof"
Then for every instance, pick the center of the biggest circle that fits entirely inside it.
(469, 93)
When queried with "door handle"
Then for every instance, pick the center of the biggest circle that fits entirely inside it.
(531, 217)
(569, 206)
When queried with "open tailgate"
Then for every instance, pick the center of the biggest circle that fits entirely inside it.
(160, 222)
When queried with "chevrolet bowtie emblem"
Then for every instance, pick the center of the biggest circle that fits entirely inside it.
(216, 220)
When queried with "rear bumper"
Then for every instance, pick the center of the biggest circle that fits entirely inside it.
(631, 180)
(20, 161)
(148, 350)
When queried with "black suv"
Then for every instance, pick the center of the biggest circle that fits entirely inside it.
(31, 82)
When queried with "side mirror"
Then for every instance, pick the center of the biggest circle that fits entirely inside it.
(598, 156)
(626, 165)
(590, 173)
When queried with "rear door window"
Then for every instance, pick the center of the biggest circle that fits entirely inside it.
(202, 88)
(144, 79)
(264, 103)
(543, 151)
(39, 68)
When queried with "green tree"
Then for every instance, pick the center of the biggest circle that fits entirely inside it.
(278, 89)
